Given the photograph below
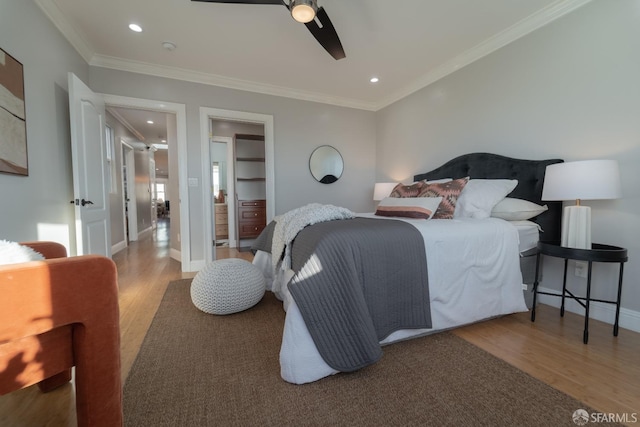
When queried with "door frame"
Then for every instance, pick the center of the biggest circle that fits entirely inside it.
(231, 187)
(180, 111)
(206, 115)
(130, 207)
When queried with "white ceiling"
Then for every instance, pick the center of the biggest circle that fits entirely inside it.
(407, 44)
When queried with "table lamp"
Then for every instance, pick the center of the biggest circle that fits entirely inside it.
(382, 190)
(582, 180)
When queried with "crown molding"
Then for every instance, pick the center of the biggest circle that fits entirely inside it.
(63, 25)
(511, 34)
(222, 81)
(516, 31)
(125, 123)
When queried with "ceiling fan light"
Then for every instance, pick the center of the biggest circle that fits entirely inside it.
(303, 11)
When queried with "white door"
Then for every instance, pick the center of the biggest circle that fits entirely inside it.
(90, 173)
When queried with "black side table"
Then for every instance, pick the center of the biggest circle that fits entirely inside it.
(597, 253)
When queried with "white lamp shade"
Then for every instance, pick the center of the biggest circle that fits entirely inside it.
(585, 180)
(382, 190)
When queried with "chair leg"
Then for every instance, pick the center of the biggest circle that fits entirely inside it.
(55, 381)
(98, 383)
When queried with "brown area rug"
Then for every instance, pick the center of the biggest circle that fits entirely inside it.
(196, 369)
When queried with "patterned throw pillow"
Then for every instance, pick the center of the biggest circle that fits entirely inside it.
(449, 191)
(403, 190)
(409, 207)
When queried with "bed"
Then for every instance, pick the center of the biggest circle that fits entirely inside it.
(332, 322)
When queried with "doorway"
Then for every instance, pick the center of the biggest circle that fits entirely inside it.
(144, 161)
(180, 239)
(207, 115)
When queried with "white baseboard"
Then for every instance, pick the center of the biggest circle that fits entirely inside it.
(146, 230)
(175, 254)
(118, 247)
(629, 319)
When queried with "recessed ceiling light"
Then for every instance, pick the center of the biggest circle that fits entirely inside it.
(374, 80)
(135, 27)
(163, 140)
(150, 122)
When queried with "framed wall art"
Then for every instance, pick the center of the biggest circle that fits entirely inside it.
(13, 122)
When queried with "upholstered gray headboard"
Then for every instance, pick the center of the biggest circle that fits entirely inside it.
(530, 176)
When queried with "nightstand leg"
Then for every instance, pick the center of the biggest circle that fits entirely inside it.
(535, 288)
(585, 336)
(615, 325)
(564, 287)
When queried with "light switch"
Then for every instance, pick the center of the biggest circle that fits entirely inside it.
(193, 182)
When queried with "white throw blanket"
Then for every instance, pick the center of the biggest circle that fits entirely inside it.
(14, 253)
(290, 223)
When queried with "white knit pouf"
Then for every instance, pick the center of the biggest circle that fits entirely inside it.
(227, 286)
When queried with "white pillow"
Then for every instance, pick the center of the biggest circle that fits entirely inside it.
(516, 209)
(14, 253)
(409, 207)
(479, 197)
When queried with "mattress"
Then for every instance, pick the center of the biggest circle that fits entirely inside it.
(467, 282)
(528, 234)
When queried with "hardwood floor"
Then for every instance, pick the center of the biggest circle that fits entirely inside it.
(605, 374)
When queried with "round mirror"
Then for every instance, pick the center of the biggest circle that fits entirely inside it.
(326, 164)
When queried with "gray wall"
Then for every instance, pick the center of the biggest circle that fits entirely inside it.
(37, 207)
(300, 126)
(569, 90)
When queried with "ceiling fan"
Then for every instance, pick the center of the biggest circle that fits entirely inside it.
(305, 11)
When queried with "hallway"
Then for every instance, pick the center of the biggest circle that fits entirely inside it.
(144, 271)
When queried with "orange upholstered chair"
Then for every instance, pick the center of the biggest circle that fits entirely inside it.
(59, 313)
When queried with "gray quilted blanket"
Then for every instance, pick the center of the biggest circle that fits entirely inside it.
(356, 281)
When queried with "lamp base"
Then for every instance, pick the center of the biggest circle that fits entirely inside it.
(576, 227)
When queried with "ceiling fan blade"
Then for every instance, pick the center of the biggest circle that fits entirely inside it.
(326, 35)
(244, 1)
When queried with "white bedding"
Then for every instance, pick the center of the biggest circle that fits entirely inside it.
(528, 233)
(474, 274)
